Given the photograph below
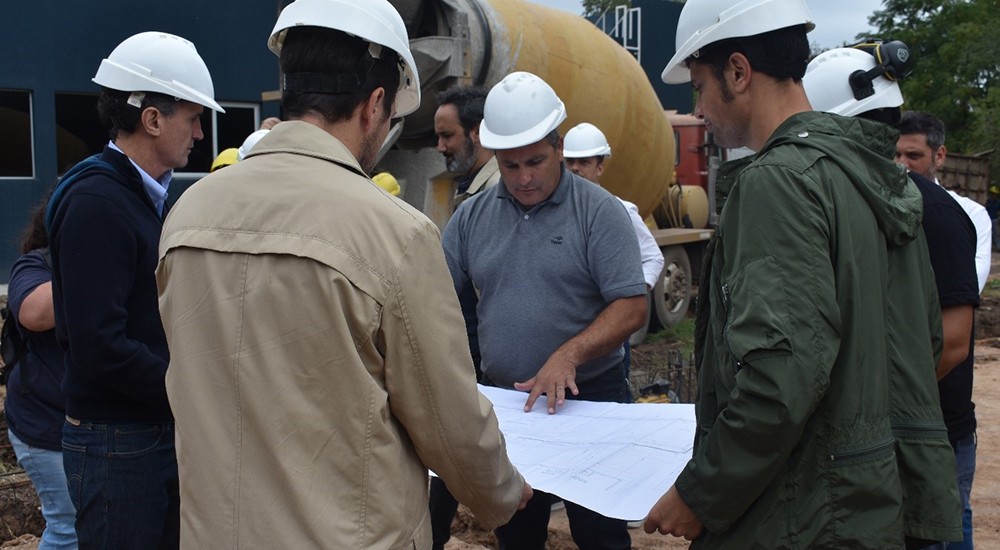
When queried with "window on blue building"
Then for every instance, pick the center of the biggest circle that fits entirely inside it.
(79, 132)
(222, 130)
(18, 158)
(232, 127)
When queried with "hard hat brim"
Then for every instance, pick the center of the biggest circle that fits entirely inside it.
(536, 133)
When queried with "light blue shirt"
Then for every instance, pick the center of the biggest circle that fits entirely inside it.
(156, 189)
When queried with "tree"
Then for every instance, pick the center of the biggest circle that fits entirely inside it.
(595, 8)
(956, 45)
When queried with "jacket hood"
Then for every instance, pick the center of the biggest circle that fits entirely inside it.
(895, 201)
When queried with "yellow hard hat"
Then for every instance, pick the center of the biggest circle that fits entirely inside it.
(386, 181)
(225, 158)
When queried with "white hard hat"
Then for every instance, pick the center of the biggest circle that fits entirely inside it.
(704, 22)
(828, 87)
(520, 110)
(585, 140)
(249, 142)
(376, 21)
(159, 62)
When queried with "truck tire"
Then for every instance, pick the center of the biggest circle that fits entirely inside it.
(640, 335)
(672, 293)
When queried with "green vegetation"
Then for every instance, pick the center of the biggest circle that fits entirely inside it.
(681, 334)
(992, 289)
(957, 69)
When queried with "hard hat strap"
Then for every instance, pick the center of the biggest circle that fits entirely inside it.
(331, 83)
(761, 61)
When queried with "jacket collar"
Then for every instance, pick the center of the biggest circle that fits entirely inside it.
(131, 178)
(301, 138)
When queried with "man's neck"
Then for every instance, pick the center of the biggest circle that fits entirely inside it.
(773, 103)
(342, 130)
(140, 150)
(483, 156)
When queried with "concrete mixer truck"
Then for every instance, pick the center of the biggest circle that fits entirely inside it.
(478, 42)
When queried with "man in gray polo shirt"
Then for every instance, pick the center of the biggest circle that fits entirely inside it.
(556, 264)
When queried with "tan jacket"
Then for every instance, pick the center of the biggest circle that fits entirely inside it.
(319, 361)
(487, 177)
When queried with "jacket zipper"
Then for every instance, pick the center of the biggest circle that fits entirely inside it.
(726, 303)
(919, 430)
(870, 450)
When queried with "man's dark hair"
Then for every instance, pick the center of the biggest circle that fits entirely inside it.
(117, 115)
(329, 73)
(552, 138)
(916, 122)
(782, 53)
(468, 101)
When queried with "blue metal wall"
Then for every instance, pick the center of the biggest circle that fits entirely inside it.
(658, 31)
(49, 47)
(659, 28)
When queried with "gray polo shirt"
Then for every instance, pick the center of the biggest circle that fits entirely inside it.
(543, 274)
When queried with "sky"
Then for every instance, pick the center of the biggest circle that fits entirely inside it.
(837, 21)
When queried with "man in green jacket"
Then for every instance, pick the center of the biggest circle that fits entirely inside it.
(795, 445)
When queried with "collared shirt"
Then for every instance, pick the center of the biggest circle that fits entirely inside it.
(156, 189)
(543, 274)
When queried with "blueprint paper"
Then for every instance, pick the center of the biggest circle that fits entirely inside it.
(613, 458)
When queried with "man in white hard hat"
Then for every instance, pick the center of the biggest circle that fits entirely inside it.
(795, 445)
(248, 144)
(321, 367)
(586, 151)
(456, 124)
(921, 149)
(556, 264)
(863, 81)
(104, 222)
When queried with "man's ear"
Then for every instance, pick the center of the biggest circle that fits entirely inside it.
(474, 134)
(939, 156)
(371, 109)
(600, 166)
(151, 120)
(738, 71)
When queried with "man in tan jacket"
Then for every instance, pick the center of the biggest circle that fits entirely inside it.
(319, 364)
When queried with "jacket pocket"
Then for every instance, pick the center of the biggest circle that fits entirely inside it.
(932, 509)
(863, 500)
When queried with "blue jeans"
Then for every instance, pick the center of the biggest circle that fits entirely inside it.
(45, 469)
(528, 529)
(965, 464)
(123, 482)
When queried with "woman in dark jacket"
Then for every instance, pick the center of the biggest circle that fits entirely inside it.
(35, 405)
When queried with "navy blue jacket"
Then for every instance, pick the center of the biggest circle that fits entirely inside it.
(35, 406)
(104, 236)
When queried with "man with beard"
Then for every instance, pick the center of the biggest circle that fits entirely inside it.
(456, 123)
(319, 365)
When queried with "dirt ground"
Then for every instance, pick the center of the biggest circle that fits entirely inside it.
(468, 536)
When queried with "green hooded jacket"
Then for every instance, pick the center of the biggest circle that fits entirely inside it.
(817, 334)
